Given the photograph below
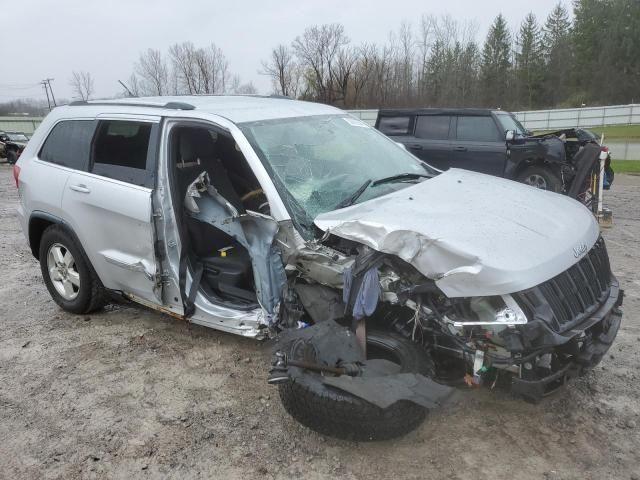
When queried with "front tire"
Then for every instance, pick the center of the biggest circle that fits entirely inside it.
(67, 273)
(541, 177)
(331, 411)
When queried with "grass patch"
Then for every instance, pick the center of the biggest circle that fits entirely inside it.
(625, 166)
(618, 132)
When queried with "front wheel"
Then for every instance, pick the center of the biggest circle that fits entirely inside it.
(337, 413)
(67, 273)
(541, 177)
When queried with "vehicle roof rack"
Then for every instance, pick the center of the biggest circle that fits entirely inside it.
(168, 105)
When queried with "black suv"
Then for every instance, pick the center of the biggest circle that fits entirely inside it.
(494, 142)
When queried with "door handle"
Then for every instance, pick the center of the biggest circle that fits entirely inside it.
(80, 188)
(415, 146)
(460, 149)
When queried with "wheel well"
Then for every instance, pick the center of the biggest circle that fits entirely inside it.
(37, 226)
(535, 162)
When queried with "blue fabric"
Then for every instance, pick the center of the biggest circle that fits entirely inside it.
(367, 298)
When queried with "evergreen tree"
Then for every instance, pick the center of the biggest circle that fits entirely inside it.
(558, 53)
(529, 62)
(496, 63)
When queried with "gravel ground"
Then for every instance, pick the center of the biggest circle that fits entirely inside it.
(130, 393)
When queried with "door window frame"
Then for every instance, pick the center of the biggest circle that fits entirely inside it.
(450, 134)
(133, 176)
(453, 131)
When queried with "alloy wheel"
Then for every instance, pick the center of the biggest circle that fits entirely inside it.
(537, 181)
(63, 272)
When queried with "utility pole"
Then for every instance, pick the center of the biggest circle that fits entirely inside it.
(44, 85)
(48, 80)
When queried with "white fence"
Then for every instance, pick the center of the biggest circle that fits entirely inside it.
(580, 117)
(559, 118)
(19, 124)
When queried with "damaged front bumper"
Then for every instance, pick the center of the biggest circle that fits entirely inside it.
(581, 348)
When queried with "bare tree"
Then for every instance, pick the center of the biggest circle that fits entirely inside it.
(244, 88)
(283, 70)
(362, 71)
(317, 51)
(183, 60)
(345, 63)
(82, 84)
(152, 69)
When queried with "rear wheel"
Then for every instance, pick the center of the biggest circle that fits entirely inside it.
(337, 413)
(67, 273)
(542, 178)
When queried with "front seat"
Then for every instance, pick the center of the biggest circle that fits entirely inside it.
(226, 264)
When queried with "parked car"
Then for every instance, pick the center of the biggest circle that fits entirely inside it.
(494, 142)
(376, 275)
(11, 145)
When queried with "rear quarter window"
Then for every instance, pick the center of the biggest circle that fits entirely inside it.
(395, 125)
(69, 144)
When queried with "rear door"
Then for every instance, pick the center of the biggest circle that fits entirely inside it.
(65, 149)
(111, 209)
(479, 145)
(431, 141)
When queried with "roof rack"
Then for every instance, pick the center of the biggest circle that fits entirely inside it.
(168, 105)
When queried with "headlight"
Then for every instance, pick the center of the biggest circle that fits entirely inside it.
(496, 310)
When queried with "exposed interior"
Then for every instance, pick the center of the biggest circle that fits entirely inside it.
(227, 276)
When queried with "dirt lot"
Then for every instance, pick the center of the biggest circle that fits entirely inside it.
(130, 393)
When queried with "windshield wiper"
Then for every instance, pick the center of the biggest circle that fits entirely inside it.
(399, 177)
(352, 199)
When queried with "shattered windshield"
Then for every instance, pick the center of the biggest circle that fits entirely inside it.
(317, 162)
(509, 122)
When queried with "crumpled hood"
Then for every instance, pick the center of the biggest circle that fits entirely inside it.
(474, 234)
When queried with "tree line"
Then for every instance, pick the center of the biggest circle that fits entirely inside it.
(590, 58)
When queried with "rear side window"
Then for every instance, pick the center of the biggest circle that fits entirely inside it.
(433, 127)
(69, 144)
(121, 151)
(394, 125)
(477, 129)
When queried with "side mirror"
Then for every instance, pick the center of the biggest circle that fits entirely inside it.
(401, 145)
(510, 135)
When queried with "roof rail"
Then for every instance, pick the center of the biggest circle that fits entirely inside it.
(168, 105)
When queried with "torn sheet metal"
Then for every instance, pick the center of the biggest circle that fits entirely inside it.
(474, 234)
(253, 231)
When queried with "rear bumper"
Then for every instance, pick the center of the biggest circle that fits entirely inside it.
(584, 347)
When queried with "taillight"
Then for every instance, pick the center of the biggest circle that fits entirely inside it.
(16, 175)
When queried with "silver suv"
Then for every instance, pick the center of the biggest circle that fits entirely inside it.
(271, 217)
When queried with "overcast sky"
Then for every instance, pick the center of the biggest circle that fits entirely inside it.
(44, 38)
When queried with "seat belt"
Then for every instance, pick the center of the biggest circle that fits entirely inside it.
(188, 304)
